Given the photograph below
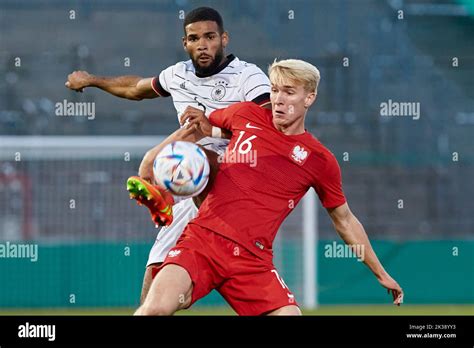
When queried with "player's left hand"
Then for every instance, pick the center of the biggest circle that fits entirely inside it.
(392, 286)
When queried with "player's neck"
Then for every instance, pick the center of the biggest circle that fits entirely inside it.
(223, 60)
(295, 128)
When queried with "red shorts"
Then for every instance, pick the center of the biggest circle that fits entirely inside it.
(249, 284)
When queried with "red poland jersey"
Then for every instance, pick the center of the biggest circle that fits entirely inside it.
(262, 177)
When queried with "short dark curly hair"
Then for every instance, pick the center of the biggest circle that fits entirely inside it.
(201, 14)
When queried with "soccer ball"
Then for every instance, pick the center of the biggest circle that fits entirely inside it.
(182, 168)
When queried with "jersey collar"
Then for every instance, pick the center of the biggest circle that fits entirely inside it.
(221, 67)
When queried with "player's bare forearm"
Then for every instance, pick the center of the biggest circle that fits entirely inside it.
(128, 87)
(191, 134)
(353, 234)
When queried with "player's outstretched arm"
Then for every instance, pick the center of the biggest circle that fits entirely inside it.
(353, 234)
(191, 133)
(128, 87)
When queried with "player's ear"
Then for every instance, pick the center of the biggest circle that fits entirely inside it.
(184, 42)
(309, 100)
(225, 39)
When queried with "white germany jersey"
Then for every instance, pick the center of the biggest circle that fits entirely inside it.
(234, 81)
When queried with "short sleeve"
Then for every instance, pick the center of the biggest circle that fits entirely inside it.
(160, 83)
(328, 184)
(254, 83)
(262, 99)
(222, 118)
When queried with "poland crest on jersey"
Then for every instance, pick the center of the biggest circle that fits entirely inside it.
(299, 154)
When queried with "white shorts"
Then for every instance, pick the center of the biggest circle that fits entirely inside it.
(183, 212)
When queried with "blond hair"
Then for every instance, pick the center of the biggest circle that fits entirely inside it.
(294, 70)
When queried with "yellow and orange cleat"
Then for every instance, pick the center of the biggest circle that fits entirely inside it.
(157, 200)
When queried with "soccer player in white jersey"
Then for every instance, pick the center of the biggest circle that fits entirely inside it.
(210, 80)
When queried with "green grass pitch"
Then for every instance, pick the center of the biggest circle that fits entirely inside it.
(322, 310)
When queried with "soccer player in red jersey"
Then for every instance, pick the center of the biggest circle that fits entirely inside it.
(228, 246)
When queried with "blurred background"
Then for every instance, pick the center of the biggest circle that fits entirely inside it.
(409, 181)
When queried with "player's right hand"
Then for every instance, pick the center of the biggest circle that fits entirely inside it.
(78, 80)
(392, 287)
